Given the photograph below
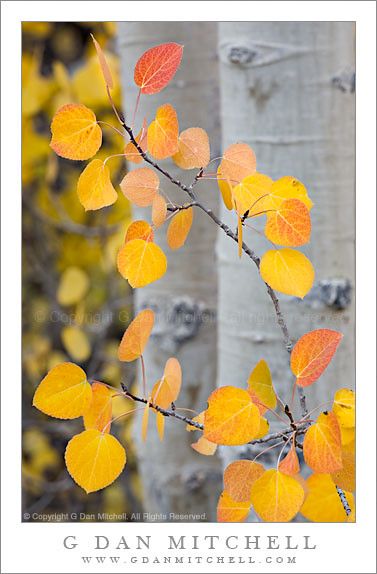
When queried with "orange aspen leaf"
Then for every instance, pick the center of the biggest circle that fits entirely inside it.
(179, 228)
(249, 193)
(229, 510)
(286, 187)
(159, 210)
(157, 66)
(141, 262)
(239, 477)
(204, 446)
(238, 162)
(277, 497)
(344, 407)
(231, 417)
(166, 390)
(136, 336)
(144, 423)
(99, 412)
(139, 229)
(130, 151)
(322, 444)
(94, 186)
(64, 392)
(160, 425)
(103, 63)
(312, 354)
(290, 464)
(290, 224)
(287, 271)
(94, 459)
(163, 133)
(140, 186)
(75, 132)
(193, 149)
(259, 385)
(322, 503)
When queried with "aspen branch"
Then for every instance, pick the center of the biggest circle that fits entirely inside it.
(249, 252)
(344, 500)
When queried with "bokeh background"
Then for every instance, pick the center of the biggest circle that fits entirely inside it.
(75, 306)
(285, 88)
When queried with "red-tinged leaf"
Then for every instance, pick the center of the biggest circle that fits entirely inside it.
(290, 464)
(140, 186)
(139, 229)
(157, 66)
(312, 353)
(239, 477)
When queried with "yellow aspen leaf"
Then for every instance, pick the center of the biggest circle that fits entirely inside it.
(139, 229)
(141, 262)
(136, 336)
(286, 187)
(103, 63)
(231, 417)
(64, 393)
(322, 503)
(290, 224)
(94, 186)
(344, 407)
(229, 510)
(179, 228)
(239, 236)
(160, 425)
(163, 133)
(204, 446)
(193, 149)
(144, 423)
(73, 286)
(312, 354)
(290, 464)
(140, 186)
(94, 459)
(75, 132)
(277, 497)
(345, 478)
(264, 427)
(76, 343)
(238, 162)
(287, 271)
(157, 66)
(99, 412)
(131, 152)
(239, 477)
(259, 385)
(322, 444)
(347, 434)
(166, 390)
(249, 193)
(159, 210)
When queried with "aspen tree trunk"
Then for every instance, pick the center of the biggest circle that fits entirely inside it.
(287, 89)
(175, 478)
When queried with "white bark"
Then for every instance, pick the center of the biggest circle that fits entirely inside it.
(176, 478)
(287, 90)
